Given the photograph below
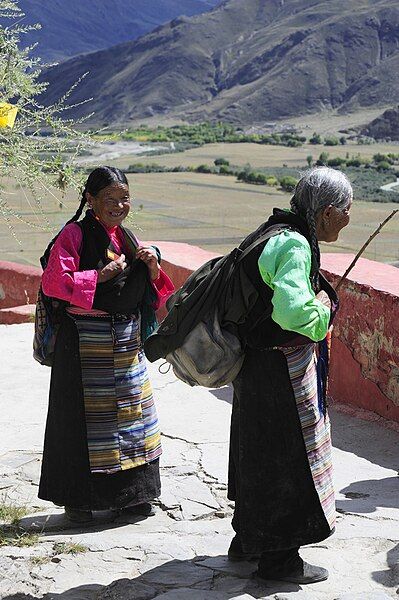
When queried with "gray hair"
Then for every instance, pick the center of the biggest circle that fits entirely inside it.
(318, 188)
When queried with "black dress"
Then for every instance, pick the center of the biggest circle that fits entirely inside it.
(66, 478)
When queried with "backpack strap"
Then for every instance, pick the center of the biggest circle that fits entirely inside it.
(263, 238)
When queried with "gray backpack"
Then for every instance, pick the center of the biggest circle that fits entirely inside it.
(211, 355)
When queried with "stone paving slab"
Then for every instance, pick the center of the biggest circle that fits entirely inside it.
(180, 553)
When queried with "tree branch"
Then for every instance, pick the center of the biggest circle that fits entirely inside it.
(363, 248)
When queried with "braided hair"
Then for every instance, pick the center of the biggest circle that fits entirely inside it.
(98, 179)
(318, 188)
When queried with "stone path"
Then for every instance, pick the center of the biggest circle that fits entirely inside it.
(180, 553)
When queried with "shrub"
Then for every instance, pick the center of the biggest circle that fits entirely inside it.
(221, 161)
(383, 166)
(336, 162)
(354, 162)
(331, 141)
(323, 158)
(378, 158)
(291, 143)
(224, 170)
(252, 177)
(316, 139)
(203, 169)
(272, 180)
(288, 183)
(261, 178)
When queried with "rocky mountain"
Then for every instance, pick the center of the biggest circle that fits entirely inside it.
(384, 127)
(79, 26)
(246, 61)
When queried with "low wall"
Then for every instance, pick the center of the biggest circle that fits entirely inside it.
(18, 291)
(365, 350)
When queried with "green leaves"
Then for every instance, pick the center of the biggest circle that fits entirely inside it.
(39, 151)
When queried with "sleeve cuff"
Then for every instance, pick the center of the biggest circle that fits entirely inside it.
(163, 287)
(84, 288)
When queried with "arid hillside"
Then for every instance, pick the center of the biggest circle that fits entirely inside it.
(246, 62)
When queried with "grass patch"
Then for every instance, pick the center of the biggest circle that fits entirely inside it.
(68, 548)
(40, 560)
(11, 513)
(13, 535)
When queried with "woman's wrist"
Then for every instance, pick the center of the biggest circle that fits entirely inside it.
(100, 276)
(155, 273)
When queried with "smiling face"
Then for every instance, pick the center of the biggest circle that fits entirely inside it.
(330, 221)
(112, 204)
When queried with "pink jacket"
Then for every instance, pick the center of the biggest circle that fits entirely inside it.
(62, 278)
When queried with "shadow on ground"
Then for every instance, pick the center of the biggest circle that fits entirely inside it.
(224, 393)
(366, 496)
(203, 578)
(369, 440)
(391, 574)
(49, 523)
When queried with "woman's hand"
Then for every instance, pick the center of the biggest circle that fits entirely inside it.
(149, 257)
(111, 269)
(324, 299)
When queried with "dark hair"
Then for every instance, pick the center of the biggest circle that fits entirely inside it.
(98, 179)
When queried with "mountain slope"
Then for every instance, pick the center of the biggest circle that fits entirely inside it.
(81, 26)
(246, 62)
(384, 127)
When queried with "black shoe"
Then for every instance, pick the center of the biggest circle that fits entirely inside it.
(78, 515)
(236, 553)
(144, 509)
(300, 572)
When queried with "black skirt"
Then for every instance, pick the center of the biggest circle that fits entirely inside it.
(276, 504)
(66, 478)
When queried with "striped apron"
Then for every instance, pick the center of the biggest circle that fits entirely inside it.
(121, 419)
(302, 368)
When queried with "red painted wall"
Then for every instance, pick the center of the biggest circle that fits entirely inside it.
(365, 350)
(18, 284)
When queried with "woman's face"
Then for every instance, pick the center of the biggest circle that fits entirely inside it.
(112, 204)
(330, 221)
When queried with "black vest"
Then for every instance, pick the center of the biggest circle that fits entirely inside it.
(125, 292)
(259, 331)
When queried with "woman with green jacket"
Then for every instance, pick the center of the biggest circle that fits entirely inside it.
(280, 471)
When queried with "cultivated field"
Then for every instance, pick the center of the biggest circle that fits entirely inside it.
(210, 211)
(257, 155)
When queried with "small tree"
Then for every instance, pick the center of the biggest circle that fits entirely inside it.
(309, 160)
(316, 139)
(288, 183)
(224, 170)
(204, 169)
(331, 140)
(323, 158)
(261, 178)
(383, 166)
(336, 162)
(37, 146)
